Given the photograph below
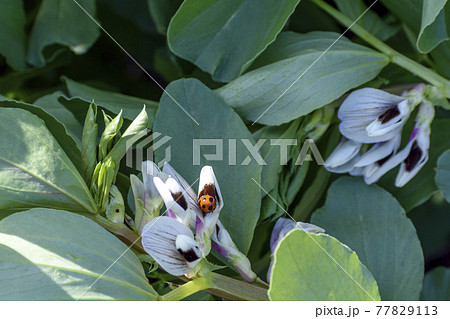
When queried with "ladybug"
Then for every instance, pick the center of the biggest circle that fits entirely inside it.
(207, 203)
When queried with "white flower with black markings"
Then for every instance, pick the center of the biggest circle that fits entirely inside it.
(415, 154)
(198, 211)
(172, 245)
(370, 116)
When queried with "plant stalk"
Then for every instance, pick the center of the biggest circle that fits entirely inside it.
(395, 57)
(220, 286)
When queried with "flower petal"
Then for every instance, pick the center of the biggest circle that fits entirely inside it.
(191, 196)
(159, 241)
(208, 185)
(174, 198)
(392, 162)
(360, 109)
(343, 153)
(224, 245)
(379, 151)
(390, 120)
(367, 103)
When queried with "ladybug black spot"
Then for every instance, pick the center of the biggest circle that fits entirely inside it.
(211, 199)
(203, 206)
(210, 207)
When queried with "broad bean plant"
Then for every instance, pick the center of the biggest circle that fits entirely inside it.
(224, 150)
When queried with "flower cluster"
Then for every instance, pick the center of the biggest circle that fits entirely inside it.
(180, 241)
(371, 116)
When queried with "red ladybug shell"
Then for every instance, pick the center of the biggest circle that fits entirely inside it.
(207, 203)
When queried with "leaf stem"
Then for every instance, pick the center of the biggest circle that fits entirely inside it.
(394, 56)
(187, 289)
(120, 230)
(220, 286)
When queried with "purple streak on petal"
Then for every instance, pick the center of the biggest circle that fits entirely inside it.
(413, 133)
(171, 214)
(198, 225)
(219, 249)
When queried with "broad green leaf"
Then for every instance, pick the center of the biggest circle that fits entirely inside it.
(436, 285)
(422, 186)
(286, 82)
(442, 177)
(34, 170)
(64, 23)
(51, 105)
(319, 267)
(56, 255)
(434, 28)
(82, 95)
(369, 20)
(217, 121)
(55, 124)
(372, 223)
(408, 11)
(12, 33)
(223, 37)
(162, 11)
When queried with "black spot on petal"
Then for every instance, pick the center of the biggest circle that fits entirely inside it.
(389, 115)
(189, 255)
(413, 158)
(179, 198)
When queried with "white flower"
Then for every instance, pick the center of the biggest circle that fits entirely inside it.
(415, 154)
(147, 200)
(374, 159)
(344, 156)
(224, 245)
(184, 205)
(370, 115)
(172, 245)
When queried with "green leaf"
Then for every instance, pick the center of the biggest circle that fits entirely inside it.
(162, 11)
(82, 96)
(271, 153)
(68, 142)
(287, 82)
(51, 105)
(422, 186)
(34, 170)
(436, 285)
(64, 23)
(442, 177)
(239, 216)
(411, 16)
(304, 270)
(12, 33)
(223, 37)
(434, 29)
(55, 255)
(372, 223)
(369, 20)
